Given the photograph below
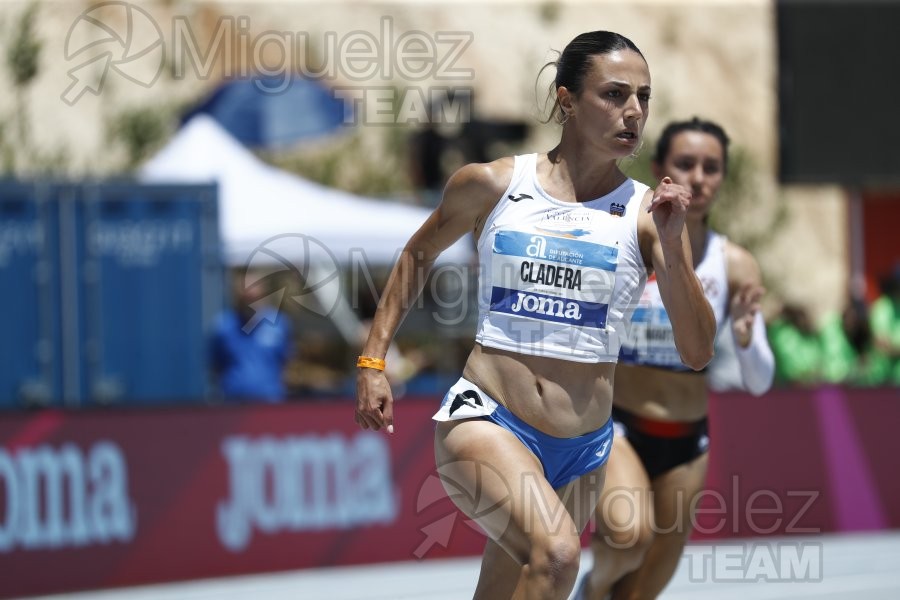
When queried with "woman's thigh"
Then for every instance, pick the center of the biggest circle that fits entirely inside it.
(499, 483)
(674, 493)
(624, 512)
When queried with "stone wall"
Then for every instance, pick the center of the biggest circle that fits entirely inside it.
(710, 58)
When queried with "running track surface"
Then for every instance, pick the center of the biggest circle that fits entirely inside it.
(837, 567)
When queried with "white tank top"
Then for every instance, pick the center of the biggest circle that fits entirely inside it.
(559, 279)
(651, 341)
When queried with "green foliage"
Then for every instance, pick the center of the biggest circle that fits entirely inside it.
(18, 155)
(23, 52)
(737, 211)
(7, 151)
(549, 11)
(141, 130)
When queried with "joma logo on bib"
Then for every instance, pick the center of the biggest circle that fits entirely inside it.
(545, 306)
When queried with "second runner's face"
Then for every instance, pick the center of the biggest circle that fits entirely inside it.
(695, 161)
(615, 101)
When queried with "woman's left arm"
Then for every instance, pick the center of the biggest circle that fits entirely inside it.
(664, 240)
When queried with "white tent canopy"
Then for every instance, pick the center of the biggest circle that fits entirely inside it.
(270, 219)
(258, 202)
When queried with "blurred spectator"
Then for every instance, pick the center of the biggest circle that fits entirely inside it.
(885, 323)
(797, 347)
(251, 343)
(321, 369)
(848, 352)
(858, 346)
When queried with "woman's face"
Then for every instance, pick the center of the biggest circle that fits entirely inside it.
(613, 105)
(695, 160)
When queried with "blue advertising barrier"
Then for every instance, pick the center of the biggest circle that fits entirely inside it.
(30, 341)
(108, 292)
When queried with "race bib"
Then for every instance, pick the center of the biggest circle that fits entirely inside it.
(552, 278)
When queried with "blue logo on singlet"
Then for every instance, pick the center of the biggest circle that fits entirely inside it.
(569, 233)
(549, 308)
(550, 248)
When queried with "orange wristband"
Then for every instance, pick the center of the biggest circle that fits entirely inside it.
(370, 363)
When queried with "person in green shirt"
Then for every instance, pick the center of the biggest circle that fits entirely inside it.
(885, 323)
(796, 346)
(848, 352)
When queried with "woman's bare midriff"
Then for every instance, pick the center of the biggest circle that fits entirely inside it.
(661, 394)
(558, 397)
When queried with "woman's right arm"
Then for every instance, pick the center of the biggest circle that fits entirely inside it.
(469, 196)
(750, 339)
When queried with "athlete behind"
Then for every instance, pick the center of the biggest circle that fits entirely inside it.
(565, 241)
(659, 457)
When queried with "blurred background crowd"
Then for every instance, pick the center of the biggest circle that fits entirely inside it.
(857, 346)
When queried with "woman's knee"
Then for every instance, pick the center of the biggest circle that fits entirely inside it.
(629, 543)
(558, 557)
(624, 523)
